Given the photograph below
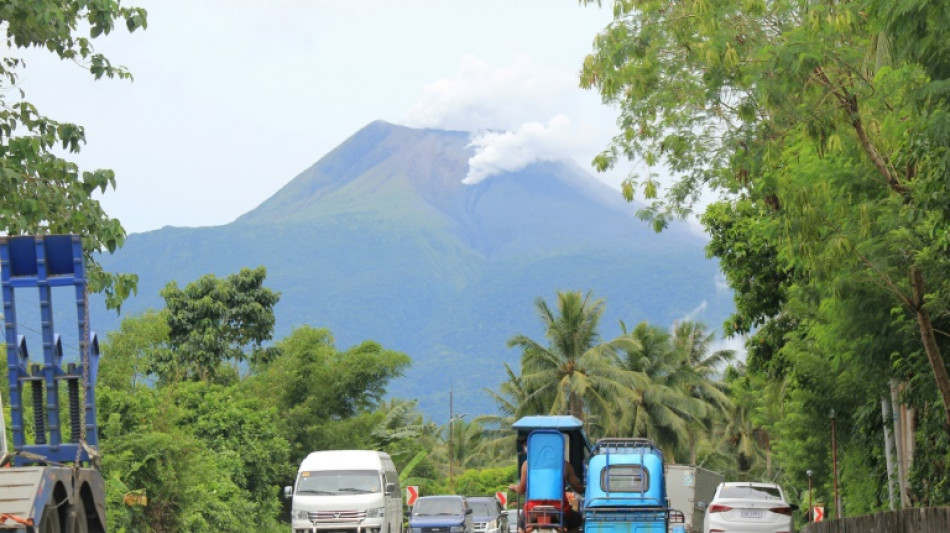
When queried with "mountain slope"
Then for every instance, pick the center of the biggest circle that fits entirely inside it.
(381, 240)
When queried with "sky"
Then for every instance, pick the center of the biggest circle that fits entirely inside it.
(231, 99)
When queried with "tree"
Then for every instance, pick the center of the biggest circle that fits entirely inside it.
(696, 374)
(326, 397)
(216, 320)
(245, 434)
(41, 192)
(576, 372)
(513, 401)
(192, 485)
(658, 411)
(806, 110)
(129, 352)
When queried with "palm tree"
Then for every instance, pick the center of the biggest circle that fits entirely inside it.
(743, 439)
(576, 373)
(513, 401)
(405, 434)
(698, 374)
(400, 422)
(466, 444)
(660, 409)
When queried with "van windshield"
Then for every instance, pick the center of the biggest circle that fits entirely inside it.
(335, 482)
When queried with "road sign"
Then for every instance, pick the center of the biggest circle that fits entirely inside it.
(818, 512)
(502, 498)
(412, 494)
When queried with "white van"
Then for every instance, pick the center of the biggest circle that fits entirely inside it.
(346, 491)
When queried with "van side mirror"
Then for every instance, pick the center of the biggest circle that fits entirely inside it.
(794, 507)
(702, 505)
(390, 488)
(468, 510)
(288, 492)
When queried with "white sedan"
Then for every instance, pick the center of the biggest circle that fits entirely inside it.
(744, 507)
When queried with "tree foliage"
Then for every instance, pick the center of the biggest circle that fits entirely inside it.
(211, 448)
(41, 192)
(823, 127)
(326, 396)
(646, 382)
(802, 110)
(213, 321)
(575, 373)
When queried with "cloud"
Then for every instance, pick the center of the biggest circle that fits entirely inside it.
(698, 310)
(736, 344)
(498, 152)
(522, 113)
(480, 97)
(722, 284)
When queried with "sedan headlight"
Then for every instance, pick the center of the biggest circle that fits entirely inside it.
(375, 512)
(301, 515)
(493, 524)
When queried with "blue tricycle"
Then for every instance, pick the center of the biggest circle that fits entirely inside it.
(552, 447)
(626, 492)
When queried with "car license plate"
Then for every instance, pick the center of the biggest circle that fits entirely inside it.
(751, 514)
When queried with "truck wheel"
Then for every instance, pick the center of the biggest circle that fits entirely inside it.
(76, 519)
(49, 522)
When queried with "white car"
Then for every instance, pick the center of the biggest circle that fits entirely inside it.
(744, 507)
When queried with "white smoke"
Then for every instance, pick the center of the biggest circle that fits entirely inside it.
(509, 151)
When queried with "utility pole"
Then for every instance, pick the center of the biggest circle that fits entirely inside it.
(452, 418)
(809, 473)
(888, 450)
(834, 455)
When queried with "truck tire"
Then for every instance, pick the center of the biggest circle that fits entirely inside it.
(49, 522)
(76, 519)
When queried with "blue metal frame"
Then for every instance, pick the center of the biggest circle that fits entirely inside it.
(47, 262)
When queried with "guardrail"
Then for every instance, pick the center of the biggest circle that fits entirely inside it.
(922, 520)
